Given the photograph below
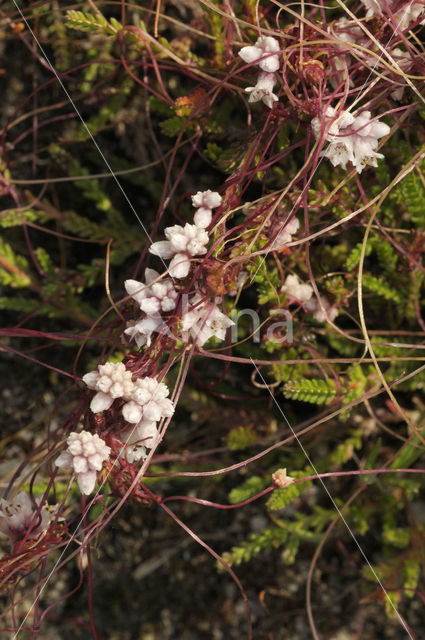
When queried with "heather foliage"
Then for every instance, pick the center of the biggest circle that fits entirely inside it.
(214, 213)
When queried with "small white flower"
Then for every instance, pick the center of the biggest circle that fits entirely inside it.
(85, 456)
(264, 45)
(263, 90)
(153, 298)
(141, 331)
(281, 479)
(207, 199)
(339, 153)
(17, 516)
(139, 438)
(202, 217)
(111, 381)
(204, 320)
(288, 229)
(323, 311)
(182, 243)
(294, 289)
(148, 402)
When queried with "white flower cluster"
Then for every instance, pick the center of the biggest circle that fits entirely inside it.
(296, 291)
(185, 242)
(85, 455)
(149, 404)
(146, 403)
(203, 320)
(288, 229)
(146, 400)
(352, 138)
(205, 202)
(152, 297)
(404, 13)
(111, 380)
(322, 311)
(19, 514)
(265, 53)
(156, 296)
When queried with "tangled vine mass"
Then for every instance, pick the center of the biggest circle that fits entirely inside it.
(211, 268)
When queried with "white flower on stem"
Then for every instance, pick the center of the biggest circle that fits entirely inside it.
(352, 138)
(182, 243)
(205, 201)
(148, 401)
(19, 515)
(296, 290)
(264, 46)
(281, 479)
(153, 298)
(141, 330)
(85, 455)
(323, 311)
(285, 234)
(111, 380)
(263, 90)
(139, 438)
(204, 320)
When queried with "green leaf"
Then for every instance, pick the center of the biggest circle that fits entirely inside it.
(84, 21)
(413, 194)
(249, 488)
(13, 267)
(381, 288)
(313, 391)
(17, 218)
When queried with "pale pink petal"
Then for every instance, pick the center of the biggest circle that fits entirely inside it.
(101, 402)
(270, 64)
(212, 199)
(202, 217)
(179, 266)
(132, 412)
(86, 481)
(147, 432)
(90, 379)
(136, 290)
(151, 275)
(64, 461)
(150, 306)
(80, 464)
(250, 54)
(162, 248)
(96, 461)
